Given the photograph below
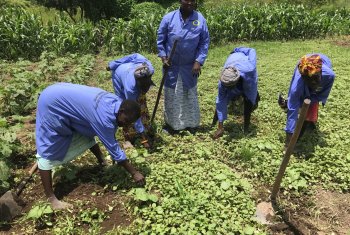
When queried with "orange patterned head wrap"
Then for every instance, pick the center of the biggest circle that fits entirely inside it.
(310, 65)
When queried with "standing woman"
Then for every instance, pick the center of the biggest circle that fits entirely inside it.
(181, 108)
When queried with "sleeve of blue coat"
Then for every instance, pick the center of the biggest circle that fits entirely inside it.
(323, 96)
(248, 71)
(295, 95)
(252, 56)
(328, 80)
(114, 81)
(203, 44)
(139, 58)
(139, 126)
(131, 94)
(221, 103)
(107, 137)
(162, 37)
(250, 86)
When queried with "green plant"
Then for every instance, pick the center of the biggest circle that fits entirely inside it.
(203, 186)
(41, 214)
(21, 34)
(89, 10)
(140, 194)
(67, 173)
(93, 217)
(66, 37)
(7, 141)
(17, 97)
(201, 195)
(67, 225)
(4, 176)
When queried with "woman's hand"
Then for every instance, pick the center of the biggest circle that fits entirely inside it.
(196, 69)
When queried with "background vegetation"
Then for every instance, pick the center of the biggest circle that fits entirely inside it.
(25, 35)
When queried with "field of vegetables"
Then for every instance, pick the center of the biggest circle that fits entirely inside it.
(194, 185)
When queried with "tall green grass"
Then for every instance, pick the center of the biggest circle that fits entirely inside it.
(310, 3)
(274, 22)
(24, 35)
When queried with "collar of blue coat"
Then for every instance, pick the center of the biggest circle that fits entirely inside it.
(193, 18)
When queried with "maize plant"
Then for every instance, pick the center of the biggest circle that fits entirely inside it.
(24, 35)
(21, 34)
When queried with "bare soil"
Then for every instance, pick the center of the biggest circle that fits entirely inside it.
(343, 41)
(84, 195)
(325, 212)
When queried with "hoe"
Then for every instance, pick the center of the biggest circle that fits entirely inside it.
(10, 204)
(265, 210)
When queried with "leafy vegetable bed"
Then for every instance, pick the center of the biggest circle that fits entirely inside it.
(194, 184)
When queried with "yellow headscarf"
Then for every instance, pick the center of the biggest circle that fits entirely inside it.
(310, 65)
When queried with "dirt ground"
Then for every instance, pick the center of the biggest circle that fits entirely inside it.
(343, 41)
(325, 212)
(84, 197)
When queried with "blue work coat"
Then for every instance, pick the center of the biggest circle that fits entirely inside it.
(124, 82)
(298, 91)
(64, 108)
(244, 59)
(193, 43)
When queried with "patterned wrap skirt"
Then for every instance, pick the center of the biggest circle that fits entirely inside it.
(181, 108)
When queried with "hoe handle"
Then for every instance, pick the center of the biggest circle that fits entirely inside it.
(26, 179)
(215, 118)
(165, 72)
(290, 149)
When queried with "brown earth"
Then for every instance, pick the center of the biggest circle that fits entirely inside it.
(325, 212)
(85, 197)
(342, 41)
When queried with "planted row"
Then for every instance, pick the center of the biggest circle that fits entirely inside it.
(23, 35)
(22, 81)
(275, 22)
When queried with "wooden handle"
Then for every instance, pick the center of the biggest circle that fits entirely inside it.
(163, 80)
(290, 148)
(33, 169)
(215, 118)
(26, 179)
